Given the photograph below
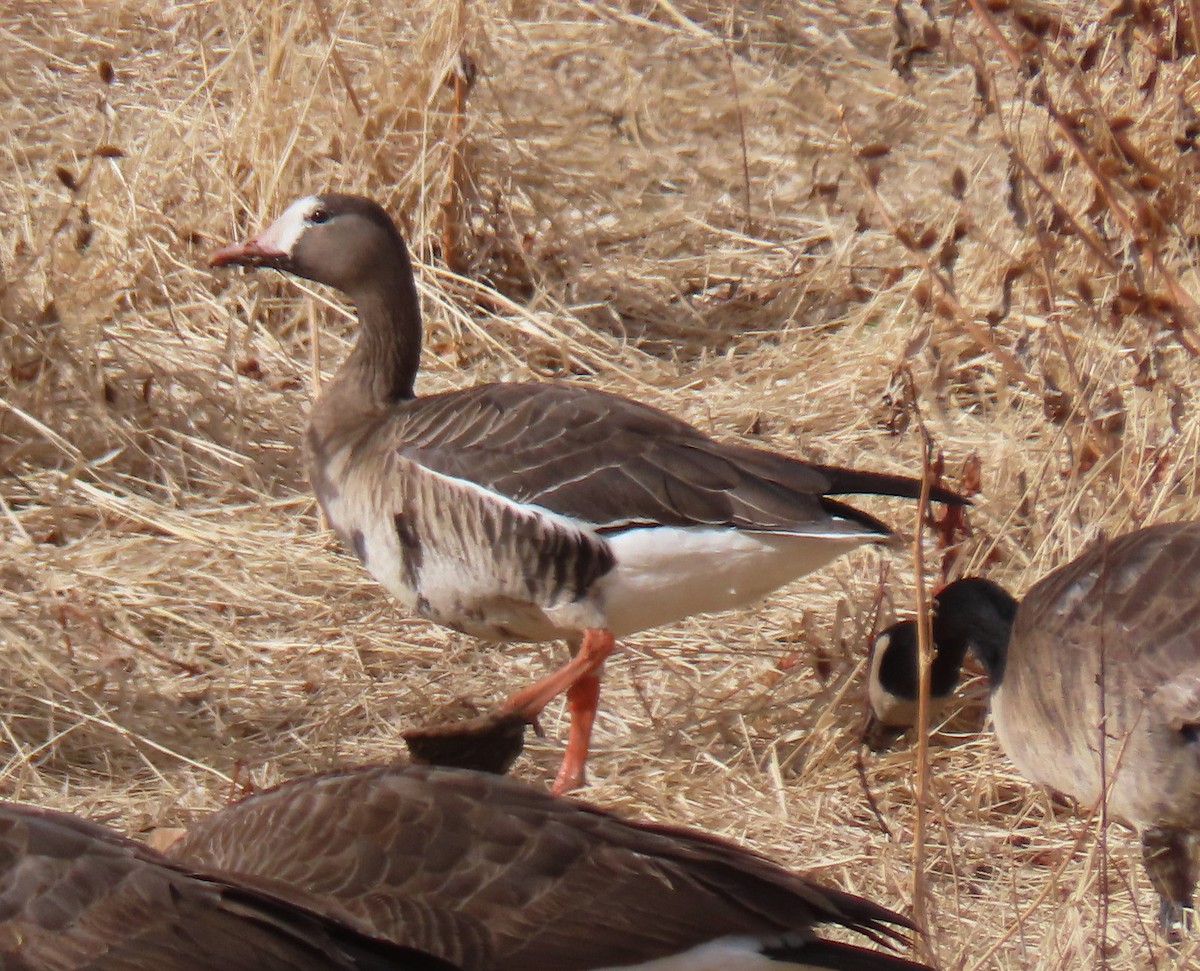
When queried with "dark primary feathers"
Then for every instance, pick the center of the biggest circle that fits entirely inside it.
(490, 873)
(74, 896)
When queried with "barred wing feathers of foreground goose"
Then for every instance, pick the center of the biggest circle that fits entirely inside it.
(75, 895)
(490, 873)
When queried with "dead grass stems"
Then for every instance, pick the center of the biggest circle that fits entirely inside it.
(759, 219)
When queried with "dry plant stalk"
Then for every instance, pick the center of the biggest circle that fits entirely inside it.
(921, 794)
(461, 79)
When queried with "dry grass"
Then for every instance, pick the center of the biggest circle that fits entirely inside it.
(748, 218)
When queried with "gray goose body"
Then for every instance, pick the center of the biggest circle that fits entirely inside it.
(1125, 614)
(538, 511)
(504, 510)
(1110, 639)
(488, 873)
(75, 896)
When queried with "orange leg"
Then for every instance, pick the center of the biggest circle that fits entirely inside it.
(587, 661)
(493, 741)
(580, 677)
(582, 697)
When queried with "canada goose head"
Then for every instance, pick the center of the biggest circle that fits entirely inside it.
(892, 684)
(969, 613)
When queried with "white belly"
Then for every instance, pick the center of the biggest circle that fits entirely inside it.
(664, 574)
(429, 545)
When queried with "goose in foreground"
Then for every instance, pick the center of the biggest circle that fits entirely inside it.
(74, 895)
(1095, 685)
(489, 873)
(532, 512)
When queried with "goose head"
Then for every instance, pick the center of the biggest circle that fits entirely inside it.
(344, 241)
(970, 613)
(349, 243)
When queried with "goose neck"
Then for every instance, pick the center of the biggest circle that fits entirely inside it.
(979, 614)
(387, 353)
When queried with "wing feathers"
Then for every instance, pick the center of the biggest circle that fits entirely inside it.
(74, 895)
(612, 462)
(529, 868)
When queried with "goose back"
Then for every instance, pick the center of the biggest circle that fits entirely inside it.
(74, 895)
(1125, 615)
(490, 873)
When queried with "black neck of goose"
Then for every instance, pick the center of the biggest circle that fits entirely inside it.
(388, 350)
(946, 664)
(977, 613)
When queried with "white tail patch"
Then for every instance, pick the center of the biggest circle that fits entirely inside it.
(723, 954)
(667, 573)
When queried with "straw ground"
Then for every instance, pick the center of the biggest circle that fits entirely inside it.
(801, 224)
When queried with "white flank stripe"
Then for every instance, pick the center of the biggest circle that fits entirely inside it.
(495, 498)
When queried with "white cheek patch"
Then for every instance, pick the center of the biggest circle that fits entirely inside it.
(281, 236)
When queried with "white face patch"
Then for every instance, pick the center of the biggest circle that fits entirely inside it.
(281, 236)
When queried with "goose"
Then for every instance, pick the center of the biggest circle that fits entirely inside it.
(1095, 685)
(75, 895)
(487, 872)
(892, 674)
(537, 511)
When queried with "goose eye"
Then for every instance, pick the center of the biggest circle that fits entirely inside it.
(318, 216)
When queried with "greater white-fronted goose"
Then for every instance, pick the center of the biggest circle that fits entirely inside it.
(530, 512)
(1095, 685)
(76, 896)
(490, 873)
